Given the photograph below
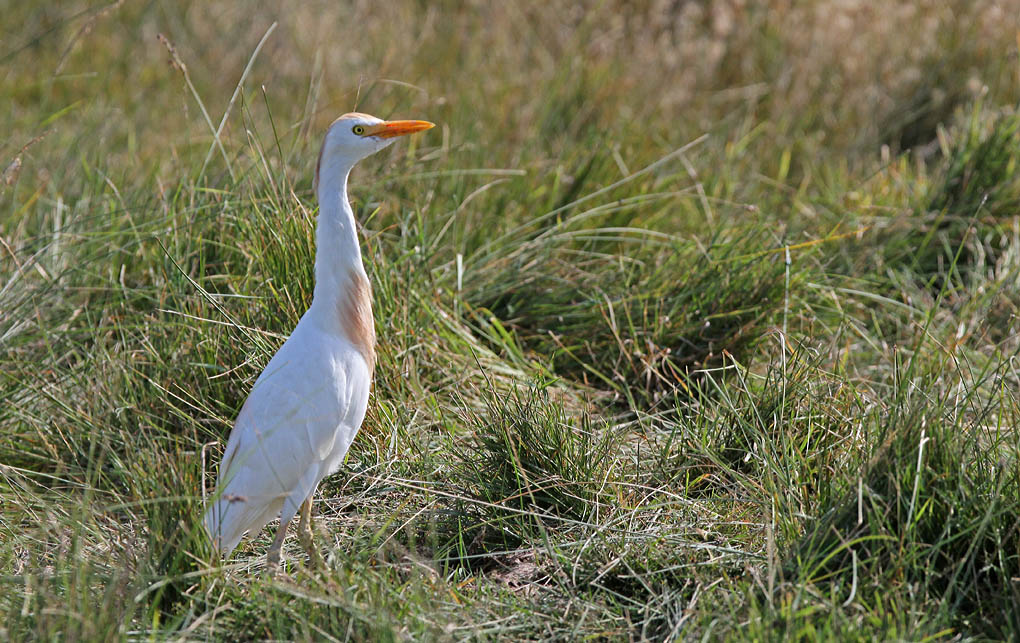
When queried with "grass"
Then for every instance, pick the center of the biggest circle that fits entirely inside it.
(696, 320)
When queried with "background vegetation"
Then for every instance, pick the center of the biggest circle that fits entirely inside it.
(697, 319)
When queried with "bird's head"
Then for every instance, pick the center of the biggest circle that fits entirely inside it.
(354, 136)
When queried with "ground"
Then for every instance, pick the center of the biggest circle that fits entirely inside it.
(696, 320)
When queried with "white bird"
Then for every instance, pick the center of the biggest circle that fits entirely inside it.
(307, 405)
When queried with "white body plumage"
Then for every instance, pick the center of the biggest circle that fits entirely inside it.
(293, 431)
(307, 405)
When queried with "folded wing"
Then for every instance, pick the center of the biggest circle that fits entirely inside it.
(282, 444)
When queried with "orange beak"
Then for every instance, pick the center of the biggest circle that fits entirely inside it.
(392, 129)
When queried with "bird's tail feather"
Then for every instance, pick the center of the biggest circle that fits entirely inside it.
(229, 518)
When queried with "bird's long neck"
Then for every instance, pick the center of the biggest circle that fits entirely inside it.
(343, 297)
(337, 249)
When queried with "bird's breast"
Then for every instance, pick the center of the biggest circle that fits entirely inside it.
(354, 313)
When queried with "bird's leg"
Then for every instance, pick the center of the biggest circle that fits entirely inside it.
(273, 556)
(305, 535)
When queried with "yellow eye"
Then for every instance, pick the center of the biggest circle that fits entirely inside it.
(359, 130)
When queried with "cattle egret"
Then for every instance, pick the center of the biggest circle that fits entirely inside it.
(307, 405)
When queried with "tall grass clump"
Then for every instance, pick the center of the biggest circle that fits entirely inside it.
(930, 516)
(531, 462)
(966, 207)
(636, 324)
